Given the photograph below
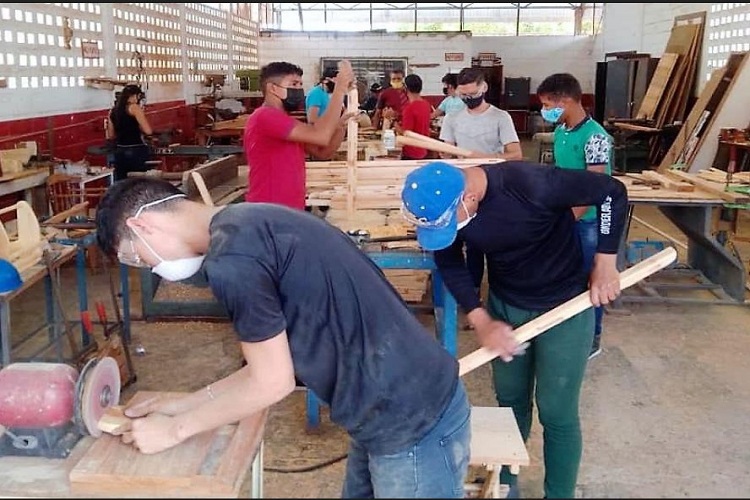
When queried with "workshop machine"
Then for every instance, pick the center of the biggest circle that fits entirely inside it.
(46, 408)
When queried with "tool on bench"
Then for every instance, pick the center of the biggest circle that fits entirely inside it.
(46, 408)
(363, 236)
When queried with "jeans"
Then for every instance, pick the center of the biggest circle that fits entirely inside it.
(475, 264)
(589, 234)
(550, 373)
(434, 467)
(130, 159)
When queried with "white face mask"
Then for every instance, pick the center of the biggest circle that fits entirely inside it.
(171, 270)
(468, 218)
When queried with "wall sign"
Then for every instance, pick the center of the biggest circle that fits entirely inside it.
(89, 50)
(454, 56)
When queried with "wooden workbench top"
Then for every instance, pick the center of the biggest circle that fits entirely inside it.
(211, 465)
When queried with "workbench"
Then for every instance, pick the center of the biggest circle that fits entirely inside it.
(444, 306)
(214, 464)
(693, 213)
(53, 324)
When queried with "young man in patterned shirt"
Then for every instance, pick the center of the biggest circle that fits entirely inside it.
(579, 143)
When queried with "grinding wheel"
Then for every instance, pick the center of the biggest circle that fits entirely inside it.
(97, 389)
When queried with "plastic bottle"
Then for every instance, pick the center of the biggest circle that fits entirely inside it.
(389, 139)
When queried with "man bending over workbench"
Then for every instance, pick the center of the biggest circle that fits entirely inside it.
(519, 214)
(306, 301)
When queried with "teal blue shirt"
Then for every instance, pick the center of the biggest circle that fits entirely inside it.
(317, 97)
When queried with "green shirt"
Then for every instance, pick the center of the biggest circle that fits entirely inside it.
(585, 144)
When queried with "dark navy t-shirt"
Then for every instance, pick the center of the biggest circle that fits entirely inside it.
(353, 340)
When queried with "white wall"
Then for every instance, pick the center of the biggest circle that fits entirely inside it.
(540, 56)
(532, 56)
(644, 27)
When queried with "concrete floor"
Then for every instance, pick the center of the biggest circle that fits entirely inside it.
(664, 407)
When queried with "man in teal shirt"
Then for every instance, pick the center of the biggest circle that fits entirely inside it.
(579, 143)
(319, 96)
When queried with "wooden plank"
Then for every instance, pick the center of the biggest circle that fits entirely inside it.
(667, 182)
(351, 151)
(710, 187)
(732, 109)
(214, 173)
(211, 464)
(693, 120)
(656, 87)
(495, 438)
(567, 310)
(439, 146)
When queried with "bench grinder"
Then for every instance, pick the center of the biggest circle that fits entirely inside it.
(45, 408)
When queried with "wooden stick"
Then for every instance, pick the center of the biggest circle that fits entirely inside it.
(114, 421)
(569, 309)
(352, 134)
(76, 209)
(425, 138)
(440, 147)
(198, 179)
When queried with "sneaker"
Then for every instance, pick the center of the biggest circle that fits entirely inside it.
(595, 348)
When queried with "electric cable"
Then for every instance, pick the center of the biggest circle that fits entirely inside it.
(308, 468)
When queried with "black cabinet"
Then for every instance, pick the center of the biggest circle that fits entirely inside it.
(517, 92)
(621, 85)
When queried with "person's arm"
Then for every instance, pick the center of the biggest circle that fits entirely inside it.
(247, 287)
(558, 188)
(440, 110)
(140, 116)
(326, 152)
(597, 154)
(508, 138)
(447, 134)
(110, 130)
(491, 334)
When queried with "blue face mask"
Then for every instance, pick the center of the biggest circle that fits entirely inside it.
(552, 115)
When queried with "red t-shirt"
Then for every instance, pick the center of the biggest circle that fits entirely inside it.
(393, 98)
(277, 165)
(416, 117)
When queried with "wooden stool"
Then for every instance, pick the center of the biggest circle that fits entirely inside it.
(495, 441)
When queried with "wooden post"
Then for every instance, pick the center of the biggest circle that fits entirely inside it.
(351, 151)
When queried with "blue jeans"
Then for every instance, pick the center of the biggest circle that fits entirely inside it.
(589, 234)
(434, 467)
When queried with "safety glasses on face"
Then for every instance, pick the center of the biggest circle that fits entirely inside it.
(470, 96)
(131, 257)
(441, 221)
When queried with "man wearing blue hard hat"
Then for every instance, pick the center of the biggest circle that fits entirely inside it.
(519, 214)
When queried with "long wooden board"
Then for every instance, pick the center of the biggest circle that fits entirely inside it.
(212, 464)
(656, 87)
(567, 310)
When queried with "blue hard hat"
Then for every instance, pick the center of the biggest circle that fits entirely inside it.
(10, 278)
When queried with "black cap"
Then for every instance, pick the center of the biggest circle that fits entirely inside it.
(330, 73)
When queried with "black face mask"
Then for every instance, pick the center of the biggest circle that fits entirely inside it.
(445, 90)
(294, 99)
(473, 102)
(329, 86)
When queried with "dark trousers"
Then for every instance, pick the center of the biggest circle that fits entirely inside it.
(130, 159)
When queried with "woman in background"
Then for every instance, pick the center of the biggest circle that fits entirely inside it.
(126, 127)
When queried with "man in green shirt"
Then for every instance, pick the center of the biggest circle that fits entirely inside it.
(579, 143)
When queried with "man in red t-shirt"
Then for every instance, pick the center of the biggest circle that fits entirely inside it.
(392, 100)
(276, 143)
(415, 116)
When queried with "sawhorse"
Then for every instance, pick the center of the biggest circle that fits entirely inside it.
(444, 306)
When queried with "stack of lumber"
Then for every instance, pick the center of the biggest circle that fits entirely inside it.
(674, 78)
(723, 102)
(374, 185)
(409, 283)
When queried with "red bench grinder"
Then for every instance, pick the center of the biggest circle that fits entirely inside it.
(45, 408)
